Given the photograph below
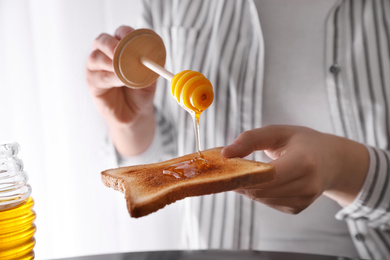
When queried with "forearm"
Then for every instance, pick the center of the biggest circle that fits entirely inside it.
(134, 138)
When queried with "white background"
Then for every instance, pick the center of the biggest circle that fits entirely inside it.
(46, 108)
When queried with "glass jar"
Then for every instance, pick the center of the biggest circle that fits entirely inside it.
(17, 216)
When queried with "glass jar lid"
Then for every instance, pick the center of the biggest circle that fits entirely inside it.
(14, 188)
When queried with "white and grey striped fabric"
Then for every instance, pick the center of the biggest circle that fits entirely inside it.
(223, 40)
(220, 40)
(358, 75)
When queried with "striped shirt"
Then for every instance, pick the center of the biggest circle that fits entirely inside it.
(358, 78)
(223, 40)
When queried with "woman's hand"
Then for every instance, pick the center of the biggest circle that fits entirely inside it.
(128, 112)
(307, 164)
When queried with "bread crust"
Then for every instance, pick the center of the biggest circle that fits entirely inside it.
(147, 189)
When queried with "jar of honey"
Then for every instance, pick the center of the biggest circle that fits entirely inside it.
(17, 216)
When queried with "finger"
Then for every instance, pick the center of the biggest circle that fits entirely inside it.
(280, 191)
(294, 188)
(269, 137)
(97, 61)
(295, 164)
(106, 44)
(292, 205)
(122, 31)
(98, 80)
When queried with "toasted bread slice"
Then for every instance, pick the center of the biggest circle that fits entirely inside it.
(147, 189)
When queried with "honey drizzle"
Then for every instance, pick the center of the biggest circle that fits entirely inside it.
(185, 88)
(195, 117)
(196, 165)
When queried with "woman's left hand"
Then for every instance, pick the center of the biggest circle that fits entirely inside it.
(307, 164)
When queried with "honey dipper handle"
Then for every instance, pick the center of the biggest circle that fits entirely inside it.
(156, 68)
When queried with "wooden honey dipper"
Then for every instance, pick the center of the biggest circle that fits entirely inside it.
(139, 59)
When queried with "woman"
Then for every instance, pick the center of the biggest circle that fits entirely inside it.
(318, 65)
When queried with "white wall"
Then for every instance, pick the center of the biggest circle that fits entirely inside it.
(46, 108)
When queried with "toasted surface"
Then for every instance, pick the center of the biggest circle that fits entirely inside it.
(147, 189)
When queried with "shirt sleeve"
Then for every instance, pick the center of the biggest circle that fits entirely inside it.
(372, 204)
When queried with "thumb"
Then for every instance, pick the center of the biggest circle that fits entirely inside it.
(266, 138)
(122, 31)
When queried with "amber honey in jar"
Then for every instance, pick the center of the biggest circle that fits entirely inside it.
(17, 216)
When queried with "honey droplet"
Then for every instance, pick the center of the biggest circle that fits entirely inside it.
(187, 169)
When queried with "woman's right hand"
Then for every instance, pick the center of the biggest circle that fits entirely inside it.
(128, 112)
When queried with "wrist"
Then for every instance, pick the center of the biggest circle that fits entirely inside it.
(133, 138)
(350, 170)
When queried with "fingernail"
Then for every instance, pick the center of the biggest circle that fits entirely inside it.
(230, 150)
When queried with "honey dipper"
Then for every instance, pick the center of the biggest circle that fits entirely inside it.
(139, 59)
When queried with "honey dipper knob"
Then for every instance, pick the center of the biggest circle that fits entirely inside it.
(142, 43)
